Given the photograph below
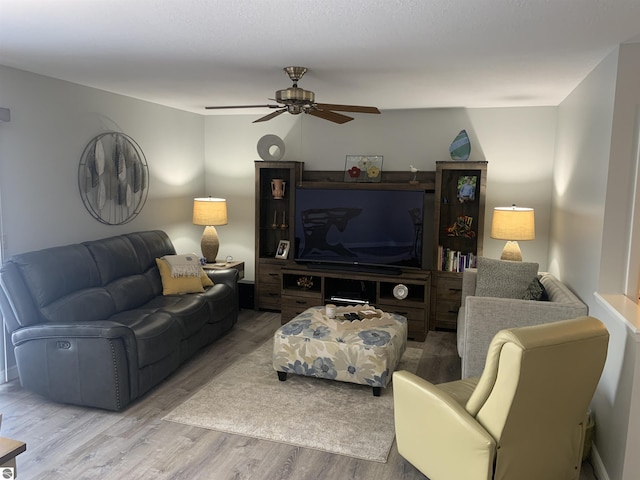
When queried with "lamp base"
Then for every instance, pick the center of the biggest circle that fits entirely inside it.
(511, 251)
(209, 244)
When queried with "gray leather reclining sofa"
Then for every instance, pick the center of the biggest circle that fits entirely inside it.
(91, 326)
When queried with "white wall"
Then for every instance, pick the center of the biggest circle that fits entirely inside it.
(621, 392)
(593, 194)
(517, 142)
(40, 148)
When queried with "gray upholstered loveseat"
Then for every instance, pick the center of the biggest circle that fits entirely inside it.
(481, 317)
(90, 324)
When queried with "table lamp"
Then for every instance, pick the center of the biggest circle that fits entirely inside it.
(209, 212)
(513, 224)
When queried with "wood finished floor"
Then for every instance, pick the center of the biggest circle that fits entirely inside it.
(66, 442)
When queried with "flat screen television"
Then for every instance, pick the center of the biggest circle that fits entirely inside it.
(362, 227)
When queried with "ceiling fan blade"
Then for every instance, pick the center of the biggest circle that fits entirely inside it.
(331, 116)
(346, 108)
(243, 106)
(270, 116)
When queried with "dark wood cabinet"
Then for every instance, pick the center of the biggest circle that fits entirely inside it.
(434, 291)
(274, 222)
(447, 288)
(459, 230)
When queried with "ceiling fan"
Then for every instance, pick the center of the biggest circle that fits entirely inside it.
(296, 100)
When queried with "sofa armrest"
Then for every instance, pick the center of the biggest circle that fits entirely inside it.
(93, 363)
(434, 432)
(486, 316)
(469, 278)
(54, 330)
(227, 276)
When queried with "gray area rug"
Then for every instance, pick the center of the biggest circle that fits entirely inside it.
(343, 418)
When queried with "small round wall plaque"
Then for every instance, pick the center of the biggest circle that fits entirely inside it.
(113, 178)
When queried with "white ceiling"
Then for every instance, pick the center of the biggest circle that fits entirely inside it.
(393, 54)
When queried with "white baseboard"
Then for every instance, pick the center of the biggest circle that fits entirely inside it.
(11, 374)
(598, 466)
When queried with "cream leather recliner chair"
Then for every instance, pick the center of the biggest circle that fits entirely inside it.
(523, 419)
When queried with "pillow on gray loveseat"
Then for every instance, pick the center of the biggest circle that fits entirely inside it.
(504, 278)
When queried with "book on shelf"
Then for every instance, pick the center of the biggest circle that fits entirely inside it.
(455, 260)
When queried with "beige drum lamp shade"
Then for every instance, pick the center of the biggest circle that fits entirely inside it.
(513, 224)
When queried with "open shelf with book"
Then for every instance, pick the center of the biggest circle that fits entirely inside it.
(454, 260)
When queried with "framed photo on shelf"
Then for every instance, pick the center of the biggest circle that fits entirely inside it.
(283, 249)
(467, 188)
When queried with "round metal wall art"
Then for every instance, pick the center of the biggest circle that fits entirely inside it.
(113, 178)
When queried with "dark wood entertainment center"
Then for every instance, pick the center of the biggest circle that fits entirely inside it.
(433, 295)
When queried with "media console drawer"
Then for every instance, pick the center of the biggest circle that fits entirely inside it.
(293, 306)
(415, 319)
(268, 289)
(450, 288)
(446, 301)
(303, 288)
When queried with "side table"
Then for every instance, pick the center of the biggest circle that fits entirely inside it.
(223, 265)
(9, 450)
(239, 266)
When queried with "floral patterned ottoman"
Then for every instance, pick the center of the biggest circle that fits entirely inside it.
(364, 352)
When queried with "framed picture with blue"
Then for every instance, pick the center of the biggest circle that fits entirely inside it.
(466, 189)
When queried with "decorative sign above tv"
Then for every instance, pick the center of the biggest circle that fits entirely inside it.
(113, 178)
(363, 168)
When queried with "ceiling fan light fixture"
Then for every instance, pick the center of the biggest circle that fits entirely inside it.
(295, 73)
(295, 95)
(295, 109)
